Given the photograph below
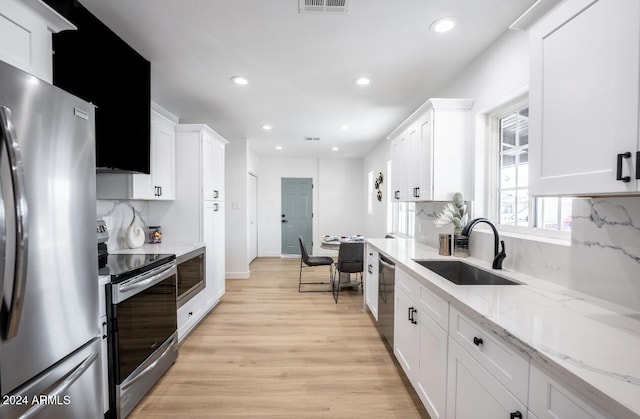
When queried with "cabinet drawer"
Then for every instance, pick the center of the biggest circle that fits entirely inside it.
(548, 399)
(434, 306)
(406, 283)
(189, 314)
(508, 366)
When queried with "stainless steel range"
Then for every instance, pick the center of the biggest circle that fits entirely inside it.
(142, 325)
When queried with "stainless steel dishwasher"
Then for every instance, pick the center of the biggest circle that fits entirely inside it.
(386, 284)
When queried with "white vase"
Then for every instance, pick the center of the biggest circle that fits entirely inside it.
(134, 237)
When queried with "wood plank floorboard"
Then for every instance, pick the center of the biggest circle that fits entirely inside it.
(267, 351)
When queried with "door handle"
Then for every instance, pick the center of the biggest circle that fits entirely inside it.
(515, 415)
(619, 167)
(638, 165)
(20, 212)
(285, 221)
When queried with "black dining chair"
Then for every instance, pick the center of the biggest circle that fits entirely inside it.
(312, 261)
(350, 261)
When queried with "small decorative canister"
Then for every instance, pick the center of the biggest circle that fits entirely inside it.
(460, 244)
(155, 234)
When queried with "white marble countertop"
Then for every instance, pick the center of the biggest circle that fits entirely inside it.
(177, 249)
(593, 346)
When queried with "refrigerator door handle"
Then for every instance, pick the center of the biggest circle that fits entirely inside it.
(14, 155)
(60, 386)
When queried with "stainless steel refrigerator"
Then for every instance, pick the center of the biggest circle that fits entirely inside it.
(49, 345)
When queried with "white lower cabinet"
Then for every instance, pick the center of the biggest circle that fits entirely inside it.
(420, 342)
(508, 366)
(189, 315)
(432, 371)
(371, 281)
(405, 336)
(550, 400)
(460, 370)
(473, 393)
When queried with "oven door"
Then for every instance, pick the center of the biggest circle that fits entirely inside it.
(143, 339)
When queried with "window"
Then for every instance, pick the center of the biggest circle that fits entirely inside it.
(515, 207)
(513, 194)
(404, 218)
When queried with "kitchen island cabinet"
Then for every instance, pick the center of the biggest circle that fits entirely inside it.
(584, 99)
(585, 348)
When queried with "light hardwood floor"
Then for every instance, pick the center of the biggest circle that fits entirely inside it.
(268, 351)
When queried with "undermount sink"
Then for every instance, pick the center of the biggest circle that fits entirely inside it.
(461, 273)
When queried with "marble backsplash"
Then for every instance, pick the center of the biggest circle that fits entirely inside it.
(602, 259)
(117, 216)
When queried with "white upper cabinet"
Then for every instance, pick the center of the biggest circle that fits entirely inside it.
(431, 152)
(585, 72)
(213, 151)
(160, 184)
(25, 36)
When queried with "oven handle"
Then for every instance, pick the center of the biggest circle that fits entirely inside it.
(151, 366)
(143, 282)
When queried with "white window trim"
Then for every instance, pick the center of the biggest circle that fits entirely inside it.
(491, 118)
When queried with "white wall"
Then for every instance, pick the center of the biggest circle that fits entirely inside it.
(340, 198)
(375, 224)
(270, 171)
(338, 201)
(236, 172)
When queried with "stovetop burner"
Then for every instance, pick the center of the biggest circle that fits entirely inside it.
(124, 266)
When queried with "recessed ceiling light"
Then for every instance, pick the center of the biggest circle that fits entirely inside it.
(240, 80)
(363, 81)
(278, 147)
(266, 127)
(335, 149)
(344, 127)
(444, 24)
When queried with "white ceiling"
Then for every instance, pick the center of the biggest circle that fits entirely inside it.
(302, 67)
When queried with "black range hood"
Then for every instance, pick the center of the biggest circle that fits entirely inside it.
(96, 65)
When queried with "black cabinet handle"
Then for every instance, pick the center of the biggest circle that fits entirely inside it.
(477, 341)
(216, 208)
(515, 415)
(369, 267)
(191, 313)
(619, 167)
(411, 312)
(215, 194)
(160, 189)
(638, 165)
(416, 192)
(396, 194)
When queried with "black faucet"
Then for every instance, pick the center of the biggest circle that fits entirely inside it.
(498, 256)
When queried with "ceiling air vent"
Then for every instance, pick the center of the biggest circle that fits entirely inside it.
(309, 6)
(312, 138)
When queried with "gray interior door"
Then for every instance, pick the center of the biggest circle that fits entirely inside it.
(296, 214)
